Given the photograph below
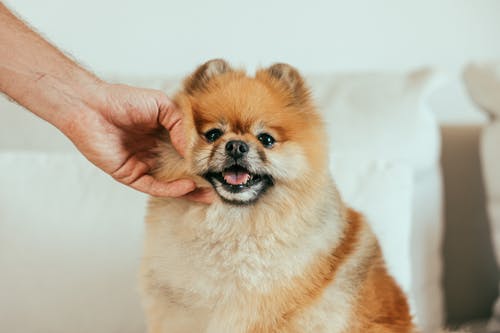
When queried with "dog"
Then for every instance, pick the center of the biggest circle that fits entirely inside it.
(278, 250)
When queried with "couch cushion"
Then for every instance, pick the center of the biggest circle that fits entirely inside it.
(387, 116)
(383, 192)
(375, 115)
(490, 161)
(483, 83)
(69, 247)
(22, 130)
(380, 115)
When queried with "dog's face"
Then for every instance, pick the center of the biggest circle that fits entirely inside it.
(250, 135)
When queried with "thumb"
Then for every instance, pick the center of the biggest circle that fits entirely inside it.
(151, 186)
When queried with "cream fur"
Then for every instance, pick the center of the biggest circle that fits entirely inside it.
(203, 265)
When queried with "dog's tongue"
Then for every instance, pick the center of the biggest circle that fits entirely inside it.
(236, 177)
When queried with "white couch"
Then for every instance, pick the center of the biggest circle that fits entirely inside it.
(483, 84)
(70, 237)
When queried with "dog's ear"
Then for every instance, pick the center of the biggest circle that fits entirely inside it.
(288, 79)
(202, 75)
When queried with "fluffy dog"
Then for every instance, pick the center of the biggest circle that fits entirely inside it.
(278, 251)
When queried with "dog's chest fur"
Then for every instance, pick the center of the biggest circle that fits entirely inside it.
(220, 263)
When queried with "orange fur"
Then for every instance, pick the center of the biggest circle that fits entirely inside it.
(300, 293)
(381, 306)
(296, 260)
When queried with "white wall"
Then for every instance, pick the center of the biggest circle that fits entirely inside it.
(171, 37)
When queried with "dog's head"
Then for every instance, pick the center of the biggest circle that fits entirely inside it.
(251, 135)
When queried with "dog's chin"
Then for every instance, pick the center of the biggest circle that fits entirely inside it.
(238, 186)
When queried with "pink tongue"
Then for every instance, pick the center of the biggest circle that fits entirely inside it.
(236, 178)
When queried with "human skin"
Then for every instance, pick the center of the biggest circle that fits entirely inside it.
(114, 126)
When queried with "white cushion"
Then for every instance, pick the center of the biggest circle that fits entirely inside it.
(490, 155)
(374, 115)
(22, 130)
(490, 161)
(386, 116)
(382, 191)
(483, 83)
(380, 115)
(70, 239)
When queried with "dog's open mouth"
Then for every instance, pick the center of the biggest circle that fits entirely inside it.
(236, 178)
(238, 185)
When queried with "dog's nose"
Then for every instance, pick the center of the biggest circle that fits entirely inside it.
(236, 148)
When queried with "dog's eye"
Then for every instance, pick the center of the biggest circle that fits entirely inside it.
(213, 134)
(266, 140)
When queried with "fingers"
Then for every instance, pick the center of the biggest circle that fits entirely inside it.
(184, 188)
(202, 194)
(171, 118)
(151, 186)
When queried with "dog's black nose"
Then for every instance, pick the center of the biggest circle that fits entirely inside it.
(236, 148)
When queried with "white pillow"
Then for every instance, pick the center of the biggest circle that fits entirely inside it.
(70, 239)
(381, 115)
(386, 116)
(483, 83)
(382, 191)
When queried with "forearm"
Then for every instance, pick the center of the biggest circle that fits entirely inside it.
(40, 77)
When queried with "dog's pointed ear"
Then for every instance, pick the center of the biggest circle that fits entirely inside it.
(288, 79)
(202, 75)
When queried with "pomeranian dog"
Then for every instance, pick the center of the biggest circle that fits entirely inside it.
(278, 250)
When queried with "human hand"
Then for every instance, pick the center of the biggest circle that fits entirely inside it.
(119, 131)
(114, 126)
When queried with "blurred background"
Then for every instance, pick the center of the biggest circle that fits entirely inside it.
(349, 42)
(171, 37)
